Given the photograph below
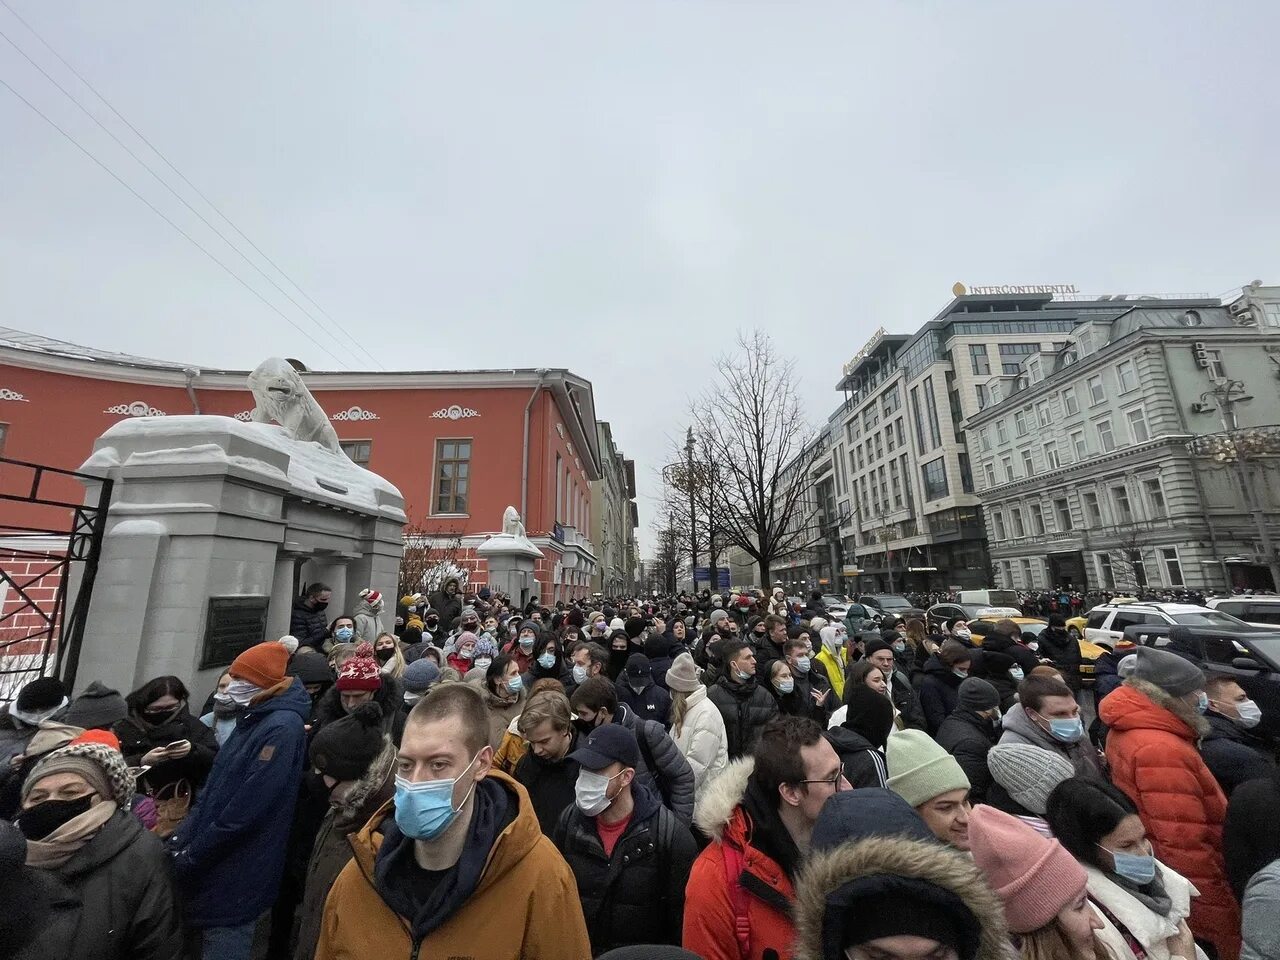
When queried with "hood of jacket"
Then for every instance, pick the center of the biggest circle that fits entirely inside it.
(847, 741)
(369, 792)
(999, 642)
(908, 863)
(720, 798)
(1141, 705)
(933, 667)
(365, 608)
(1017, 721)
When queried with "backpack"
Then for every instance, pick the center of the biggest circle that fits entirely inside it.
(646, 751)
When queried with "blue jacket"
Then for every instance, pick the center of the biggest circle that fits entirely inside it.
(231, 847)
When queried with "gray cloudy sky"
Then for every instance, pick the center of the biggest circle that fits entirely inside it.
(619, 187)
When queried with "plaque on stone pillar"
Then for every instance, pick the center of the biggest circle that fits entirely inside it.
(233, 625)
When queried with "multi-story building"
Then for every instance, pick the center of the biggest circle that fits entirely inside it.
(614, 516)
(1082, 459)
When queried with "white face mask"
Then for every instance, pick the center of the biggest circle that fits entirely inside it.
(242, 691)
(1250, 714)
(591, 792)
(483, 662)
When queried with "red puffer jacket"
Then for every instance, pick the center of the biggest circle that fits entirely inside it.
(1152, 750)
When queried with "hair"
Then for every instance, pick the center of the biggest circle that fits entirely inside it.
(317, 588)
(333, 624)
(459, 700)
(496, 670)
(397, 656)
(597, 653)
(1082, 811)
(595, 693)
(777, 752)
(1217, 683)
(1032, 691)
(340, 653)
(916, 632)
(794, 643)
(1008, 628)
(153, 690)
(772, 621)
(544, 706)
(951, 624)
(858, 675)
(679, 707)
(775, 666)
(1050, 943)
(953, 651)
(547, 685)
(729, 649)
(1045, 670)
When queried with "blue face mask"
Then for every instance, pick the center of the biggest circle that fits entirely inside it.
(579, 674)
(802, 664)
(344, 634)
(526, 644)
(1015, 674)
(547, 660)
(516, 683)
(786, 686)
(1139, 870)
(425, 810)
(1068, 731)
(1202, 702)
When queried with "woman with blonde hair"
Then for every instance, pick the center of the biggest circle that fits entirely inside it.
(696, 724)
(391, 662)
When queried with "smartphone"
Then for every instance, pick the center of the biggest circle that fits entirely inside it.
(178, 743)
(138, 771)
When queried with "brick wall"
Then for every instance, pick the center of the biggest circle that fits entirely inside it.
(39, 578)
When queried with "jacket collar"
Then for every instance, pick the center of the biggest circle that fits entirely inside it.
(1144, 706)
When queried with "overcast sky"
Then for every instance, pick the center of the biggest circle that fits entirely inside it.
(618, 188)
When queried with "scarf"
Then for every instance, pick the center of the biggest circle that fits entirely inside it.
(1151, 895)
(57, 848)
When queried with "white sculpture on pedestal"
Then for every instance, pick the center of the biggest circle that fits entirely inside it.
(283, 397)
(512, 541)
(511, 525)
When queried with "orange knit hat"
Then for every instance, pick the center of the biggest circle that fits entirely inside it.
(263, 665)
(104, 737)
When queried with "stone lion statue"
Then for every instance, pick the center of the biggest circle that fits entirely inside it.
(280, 395)
(511, 525)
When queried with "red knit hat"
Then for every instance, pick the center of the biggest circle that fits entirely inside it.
(361, 672)
(1034, 876)
(104, 737)
(263, 665)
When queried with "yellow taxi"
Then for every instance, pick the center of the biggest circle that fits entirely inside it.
(1031, 628)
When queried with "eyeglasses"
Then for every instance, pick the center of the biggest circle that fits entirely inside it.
(832, 781)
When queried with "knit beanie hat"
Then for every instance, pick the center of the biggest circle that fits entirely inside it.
(715, 617)
(41, 694)
(1028, 774)
(345, 748)
(97, 706)
(361, 672)
(919, 769)
(1033, 875)
(1173, 674)
(977, 695)
(634, 627)
(869, 714)
(485, 647)
(264, 665)
(853, 815)
(420, 675)
(876, 645)
(101, 767)
(683, 674)
(104, 737)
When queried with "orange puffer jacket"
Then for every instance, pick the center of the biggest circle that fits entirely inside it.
(1151, 746)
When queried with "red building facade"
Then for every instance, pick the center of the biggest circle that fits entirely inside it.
(460, 446)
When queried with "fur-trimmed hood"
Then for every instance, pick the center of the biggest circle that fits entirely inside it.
(1173, 716)
(896, 856)
(721, 796)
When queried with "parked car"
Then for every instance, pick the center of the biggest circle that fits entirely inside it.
(1108, 622)
(1259, 611)
(1031, 629)
(1249, 656)
(940, 613)
(837, 606)
(889, 605)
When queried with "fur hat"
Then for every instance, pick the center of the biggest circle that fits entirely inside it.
(264, 665)
(919, 769)
(361, 672)
(101, 767)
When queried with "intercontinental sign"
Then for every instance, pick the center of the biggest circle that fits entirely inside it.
(961, 290)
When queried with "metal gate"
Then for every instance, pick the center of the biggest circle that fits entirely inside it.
(48, 538)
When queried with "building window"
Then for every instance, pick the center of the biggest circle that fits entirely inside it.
(931, 407)
(1106, 439)
(1070, 403)
(896, 480)
(1138, 429)
(984, 440)
(1006, 568)
(1033, 366)
(890, 401)
(1037, 519)
(1062, 512)
(1026, 574)
(917, 419)
(981, 390)
(1011, 354)
(1155, 497)
(935, 479)
(1124, 509)
(966, 474)
(989, 469)
(995, 392)
(1213, 364)
(1095, 390)
(1020, 423)
(1092, 509)
(1136, 560)
(998, 519)
(978, 357)
(888, 437)
(357, 451)
(1002, 432)
(4, 435)
(559, 488)
(1172, 566)
(1105, 572)
(1007, 463)
(1019, 530)
(1128, 374)
(1042, 413)
(453, 467)
(1079, 446)
(1028, 464)
(1051, 461)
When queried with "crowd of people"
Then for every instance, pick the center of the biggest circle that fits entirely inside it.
(721, 777)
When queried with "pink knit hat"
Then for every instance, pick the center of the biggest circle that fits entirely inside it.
(1034, 876)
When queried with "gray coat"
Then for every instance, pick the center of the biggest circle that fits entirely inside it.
(672, 781)
(1261, 907)
(1019, 728)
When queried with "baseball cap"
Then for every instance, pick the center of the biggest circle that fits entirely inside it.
(608, 744)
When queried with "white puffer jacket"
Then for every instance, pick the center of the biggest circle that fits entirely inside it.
(702, 739)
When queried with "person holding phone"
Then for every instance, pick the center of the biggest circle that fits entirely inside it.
(161, 733)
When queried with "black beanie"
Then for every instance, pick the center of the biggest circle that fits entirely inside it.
(635, 627)
(878, 644)
(40, 694)
(345, 748)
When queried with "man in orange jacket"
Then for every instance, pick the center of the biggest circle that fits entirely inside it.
(455, 865)
(759, 813)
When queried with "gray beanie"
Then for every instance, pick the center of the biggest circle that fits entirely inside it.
(420, 675)
(1173, 674)
(683, 676)
(1028, 774)
(716, 616)
(977, 695)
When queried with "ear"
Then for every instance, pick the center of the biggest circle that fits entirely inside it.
(484, 762)
(791, 793)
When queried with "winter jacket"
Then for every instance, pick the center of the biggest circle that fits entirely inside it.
(137, 737)
(833, 668)
(996, 667)
(308, 625)
(1021, 654)
(367, 621)
(702, 739)
(906, 702)
(524, 902)
(709, 915)
(332, 850)
(501, 713)
(863, 763)
(113, 900)
(938, 693)
(1252, 830)
(1151, 748)
(549, 783)
(670, 775)
(651, 702)
(638, 891)
(1233, 754)
(390, 697)
(1063, 649)
(1106, 675)
(746, 708)
(968, 737)
(1141, 922)
(876, 865)
(1019, 728)
(813, 690)
(449, 606)
(1261, 908)
(240, 826)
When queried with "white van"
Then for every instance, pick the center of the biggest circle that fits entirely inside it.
(990, 598)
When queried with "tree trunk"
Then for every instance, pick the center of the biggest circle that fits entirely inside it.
(764, 577)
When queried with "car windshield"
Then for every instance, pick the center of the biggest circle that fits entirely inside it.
(1207, 618)
(1268, 645)
(1032, 628)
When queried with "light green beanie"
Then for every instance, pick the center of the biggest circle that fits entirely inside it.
(919, 769)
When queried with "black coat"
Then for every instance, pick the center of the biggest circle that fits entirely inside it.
(907, 701)
(938, 693)
(637, 894)
(814, 690)
(1234, 755)
(390, 697)
(550, 784)
(448, 606)
(137, 737)
(968, 737)
(113, 900)
(1022, 655)
(311, 627)
(652, 703)
(746, 708)
(863, 764)
(662, 766)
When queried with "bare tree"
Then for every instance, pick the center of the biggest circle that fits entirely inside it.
(760, 450)
(1127, 564)
(429, 556)
(665, 567)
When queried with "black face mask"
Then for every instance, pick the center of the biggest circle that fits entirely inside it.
(432, 623)
(583, 727)
(320, 604)
(383, 654)
(48, 815)
(157, 717)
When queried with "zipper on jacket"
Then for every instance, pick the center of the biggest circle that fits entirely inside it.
(417, 945)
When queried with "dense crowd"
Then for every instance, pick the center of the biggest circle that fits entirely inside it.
(687, 776)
